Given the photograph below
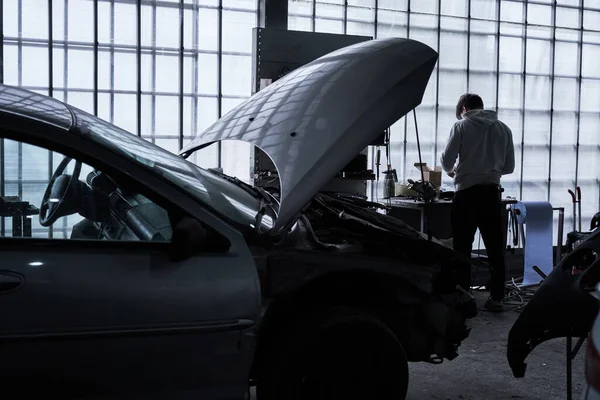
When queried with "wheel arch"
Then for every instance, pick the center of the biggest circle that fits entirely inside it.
(389, 297)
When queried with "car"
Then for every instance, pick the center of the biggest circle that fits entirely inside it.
(563, 306)
(592, 360)
(146, 276)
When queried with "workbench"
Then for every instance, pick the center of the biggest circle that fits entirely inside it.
(20, 212)
(412, 212)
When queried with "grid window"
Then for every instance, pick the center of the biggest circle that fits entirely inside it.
(505, 52)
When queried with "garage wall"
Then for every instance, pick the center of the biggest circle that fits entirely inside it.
(209, 39)
(523, 57)
(535, 62)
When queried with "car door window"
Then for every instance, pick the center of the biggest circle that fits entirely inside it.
(47, 195)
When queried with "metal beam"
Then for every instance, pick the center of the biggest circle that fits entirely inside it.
(552, 70)
(138, 56)
(20, 83)
(112, 64)
(314, 15)
(220, 78)
(181, 49)
(345, 18)
(2, 50)
(50, 90)
(498, 11)
(376, 21)
(437, 84)
(468, 42)
(580, 78)
(153, 77)
(523, 95)
(405, 142)
(195, 30)
(96, 57)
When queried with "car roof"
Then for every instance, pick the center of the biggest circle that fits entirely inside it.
(34, 106)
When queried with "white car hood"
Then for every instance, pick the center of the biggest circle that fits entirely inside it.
(314, 120)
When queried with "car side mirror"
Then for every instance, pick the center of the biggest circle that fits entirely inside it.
(189, 238)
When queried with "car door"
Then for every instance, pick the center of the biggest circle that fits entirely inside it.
(105, 317)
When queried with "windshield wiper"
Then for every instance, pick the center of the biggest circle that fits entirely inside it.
(266, 201)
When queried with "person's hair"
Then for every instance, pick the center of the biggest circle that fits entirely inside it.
(470, 101)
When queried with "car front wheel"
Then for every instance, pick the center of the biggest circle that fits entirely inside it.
(336, 354)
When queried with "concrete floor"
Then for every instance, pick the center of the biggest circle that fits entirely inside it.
(481, 371)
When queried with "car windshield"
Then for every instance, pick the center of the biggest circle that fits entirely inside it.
(224, 197)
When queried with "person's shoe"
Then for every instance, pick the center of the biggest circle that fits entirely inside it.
(494, 305)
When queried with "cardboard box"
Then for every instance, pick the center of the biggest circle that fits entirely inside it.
(434, 176)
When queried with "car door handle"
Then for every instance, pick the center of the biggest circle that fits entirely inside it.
(10, 281)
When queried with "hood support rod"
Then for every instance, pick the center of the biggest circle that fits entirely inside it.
(425, 198)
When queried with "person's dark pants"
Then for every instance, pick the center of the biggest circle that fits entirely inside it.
(480, 207)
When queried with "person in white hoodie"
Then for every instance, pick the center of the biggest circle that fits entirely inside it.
(483, 146)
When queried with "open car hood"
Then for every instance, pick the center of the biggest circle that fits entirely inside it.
(314, 120)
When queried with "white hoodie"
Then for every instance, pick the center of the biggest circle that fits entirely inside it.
(484, 148)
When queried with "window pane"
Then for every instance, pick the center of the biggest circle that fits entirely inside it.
(484, 84)
(511, 54)
(589, 129)
(458, 8)
(125, 71)
(483, 53)
(300, 7)
(125, 24)
(206, 113)
(509, 91)
(167, 116)
(539, 14)
(590, 95)
(125, 115)
(512, 11)
(207, 74)
(208, 28)
(564, 128)
(452, 85)
(590, 57)
(167, 73)
(483, 9)
(391, 24)
(299, 23)
(399, 5)
(237, 31)
(236, 75)
(35, 66)
(537, 93)
(11, 18)
(539, 56)
(453, 45)
(424, 6)
(81, 20)
(167, 27)
(34, 19)
(80, 69)
(329, 25)
(565, 94)
(565, 61)
(241, 4)
(362, 10)
(567, 17)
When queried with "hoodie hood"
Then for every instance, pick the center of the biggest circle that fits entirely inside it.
(485, 117)
(316, 118)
